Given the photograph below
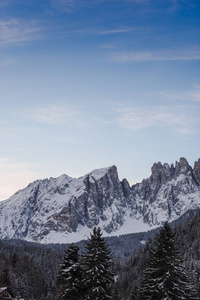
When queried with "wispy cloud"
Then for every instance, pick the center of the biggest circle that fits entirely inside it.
(58, 115)
(69, 5)
(136, 118)
(110, 31)
(192, 95)
(195, 96)
(152, 56)
(118, 30)
(147, 6)
(64, 5)
(107, 46)
(16, 31)
(177, 4)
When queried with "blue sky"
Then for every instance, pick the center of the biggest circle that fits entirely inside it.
(88, 84)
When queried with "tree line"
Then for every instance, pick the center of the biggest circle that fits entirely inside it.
(167, 266)
(91, 277)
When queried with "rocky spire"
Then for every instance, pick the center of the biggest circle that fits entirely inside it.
(51, 209)
(197, 170)
(160, 173)
(182, 167)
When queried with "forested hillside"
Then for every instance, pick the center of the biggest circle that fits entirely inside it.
(30, 270)
(130, 270)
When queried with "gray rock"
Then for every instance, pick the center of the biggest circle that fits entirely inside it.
(50, 208)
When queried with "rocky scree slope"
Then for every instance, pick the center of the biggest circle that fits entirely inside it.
(55, 209)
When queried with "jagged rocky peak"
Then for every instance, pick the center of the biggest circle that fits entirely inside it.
(197, 170)
(51, 209)
(160, 174)
(100, 173)
(126, 187)
(62, 183)
(182, 167)
(107, 177)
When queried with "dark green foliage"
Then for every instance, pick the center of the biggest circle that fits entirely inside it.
(134, 294)
(89, 278)
(165, 278)
(70, 277)
(129, 270)
(97, 264)
(31, 269)
(188, 236)
(116, 292)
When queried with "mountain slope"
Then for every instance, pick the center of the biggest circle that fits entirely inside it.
(65, 209)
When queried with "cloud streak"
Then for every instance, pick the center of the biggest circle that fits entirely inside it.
(153, 56)
(119, 30)
(58, 115)
(15, 31)
(146, 5)
(189, 96)
(69, 5)
(136, 118)
(113, 31)
(195, 96)
(65, 5)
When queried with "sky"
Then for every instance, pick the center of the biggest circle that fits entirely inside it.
(91, 84)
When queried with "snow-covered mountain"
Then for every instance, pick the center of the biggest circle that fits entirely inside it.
(64, 209)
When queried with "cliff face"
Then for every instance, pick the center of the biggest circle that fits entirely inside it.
(197, 171)
(168, 193)
(51, 210)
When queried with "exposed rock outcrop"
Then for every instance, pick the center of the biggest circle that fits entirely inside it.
(49, 210)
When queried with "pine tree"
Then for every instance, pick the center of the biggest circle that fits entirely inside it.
(134, 294)
(69, 277)
(97, 264)
(164, 277)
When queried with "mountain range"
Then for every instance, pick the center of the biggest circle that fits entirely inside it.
(64, 209)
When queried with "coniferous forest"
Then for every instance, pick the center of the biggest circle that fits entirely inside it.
(167, 266)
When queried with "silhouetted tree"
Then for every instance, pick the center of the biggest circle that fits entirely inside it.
(97, 265)
(165, 277)
(69, 277)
